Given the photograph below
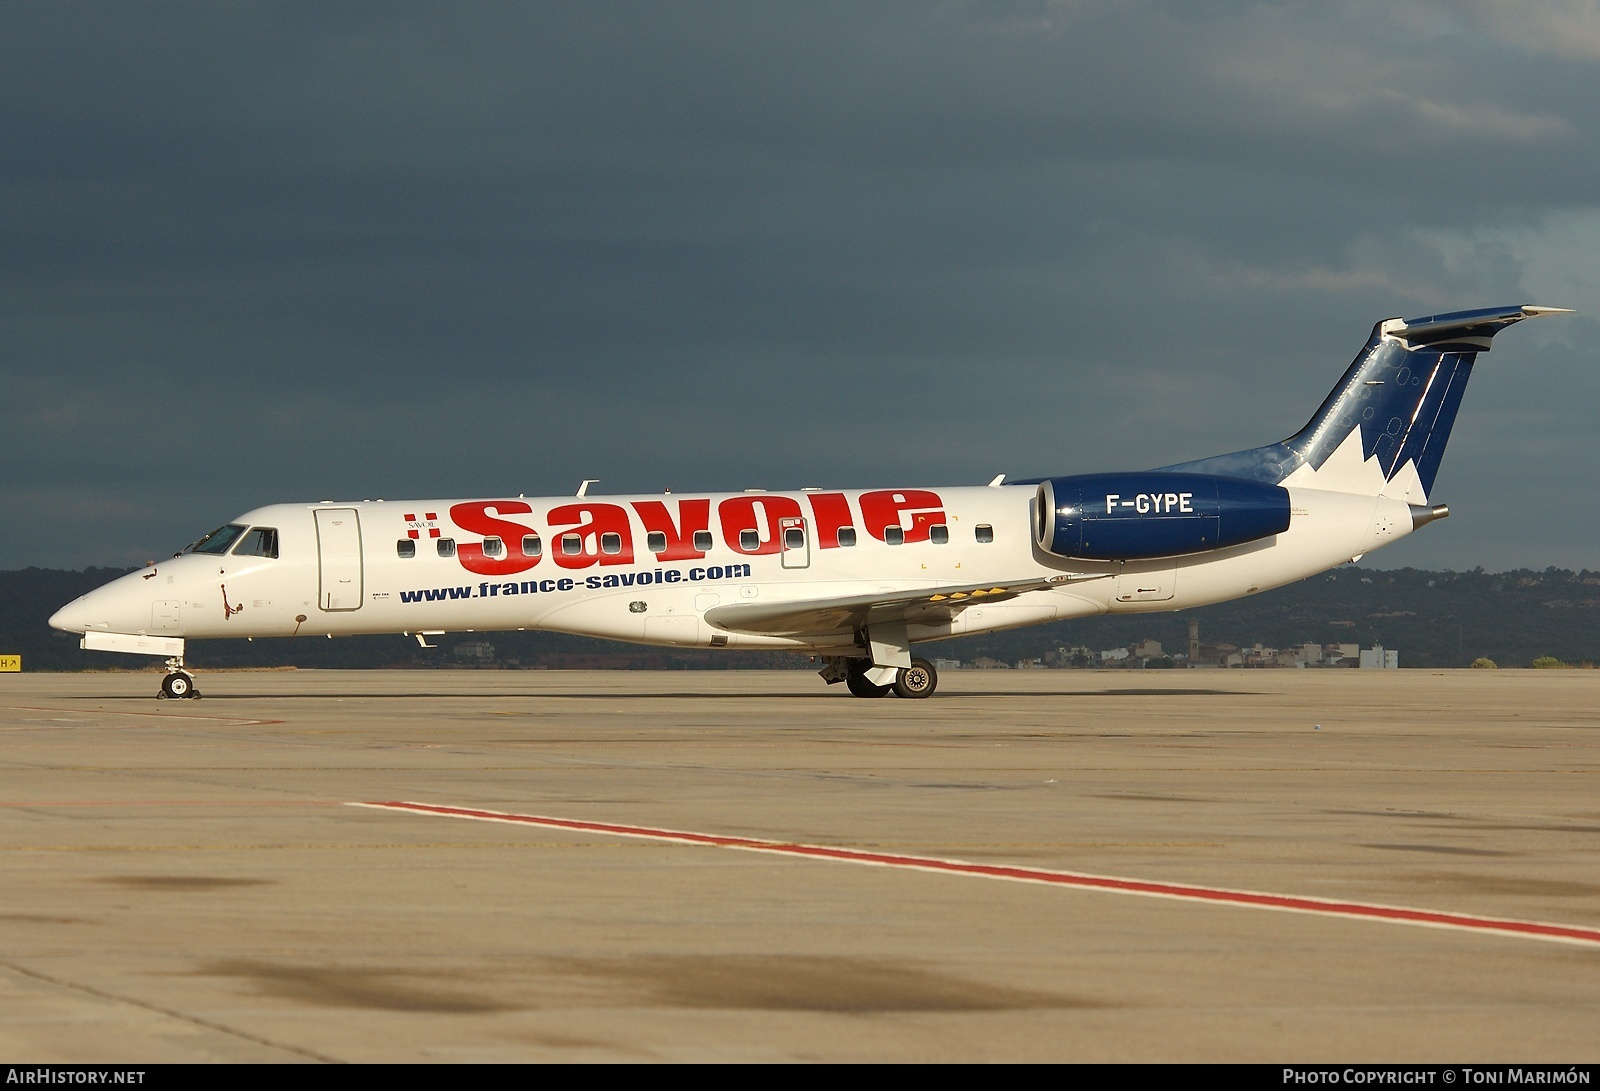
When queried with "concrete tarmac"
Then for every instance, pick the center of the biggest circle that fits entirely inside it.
(185, 881)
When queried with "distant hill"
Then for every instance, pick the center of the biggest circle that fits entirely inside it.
(1434, 619)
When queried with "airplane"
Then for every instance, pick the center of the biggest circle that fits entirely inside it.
(856, 578)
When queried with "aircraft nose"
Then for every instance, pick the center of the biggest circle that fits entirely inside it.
(71, 618)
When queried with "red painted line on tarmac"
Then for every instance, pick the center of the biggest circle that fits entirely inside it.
(1394, 914)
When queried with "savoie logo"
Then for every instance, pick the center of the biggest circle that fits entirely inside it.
(590, 533)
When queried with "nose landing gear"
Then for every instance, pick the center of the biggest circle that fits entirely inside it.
(178, 684)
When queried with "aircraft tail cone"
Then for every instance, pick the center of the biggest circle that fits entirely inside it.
(1421, 514)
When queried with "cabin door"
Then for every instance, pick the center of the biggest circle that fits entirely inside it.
(339, 559)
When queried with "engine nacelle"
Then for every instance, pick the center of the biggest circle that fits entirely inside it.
(1138, 516)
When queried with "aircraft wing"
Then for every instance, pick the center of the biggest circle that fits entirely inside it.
(847, 613)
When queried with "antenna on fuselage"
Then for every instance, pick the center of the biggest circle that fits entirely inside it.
(583, 489)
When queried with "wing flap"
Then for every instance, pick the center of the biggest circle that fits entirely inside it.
(848, 613)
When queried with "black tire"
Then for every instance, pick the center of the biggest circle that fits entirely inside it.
(916, 681)
(177, 686)
(856, 681)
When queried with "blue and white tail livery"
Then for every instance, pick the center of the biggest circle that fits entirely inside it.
(1383, 429)
(856, 578)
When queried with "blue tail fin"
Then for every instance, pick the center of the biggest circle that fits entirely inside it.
(1400, 397)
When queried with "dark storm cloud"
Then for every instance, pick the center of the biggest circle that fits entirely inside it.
(300, 251)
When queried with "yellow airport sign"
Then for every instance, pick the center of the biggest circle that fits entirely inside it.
(10, 662)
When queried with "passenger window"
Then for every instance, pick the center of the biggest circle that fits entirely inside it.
(656, 541)
(894, 535)
(571, 544)
(984, 532)
(611, 542)
(794, 538)
(493, 547)
(405, 547)
(847, 536)
(702, 541)
(749, 540)
(531, 546)
(938, 534)
(447, 547)
(260, 542)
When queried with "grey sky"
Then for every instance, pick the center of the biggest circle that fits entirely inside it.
(255, 253)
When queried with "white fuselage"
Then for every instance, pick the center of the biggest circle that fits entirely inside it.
(632, 567)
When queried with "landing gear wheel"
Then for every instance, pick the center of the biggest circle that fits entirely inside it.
(177, 686)
(856, 680)
(916, 681)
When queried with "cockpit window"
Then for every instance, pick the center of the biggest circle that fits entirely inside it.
(260, 542)
(218, 540)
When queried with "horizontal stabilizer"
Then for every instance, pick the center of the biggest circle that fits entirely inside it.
(1463, 331)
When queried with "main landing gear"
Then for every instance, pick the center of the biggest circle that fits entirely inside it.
(178, 684)
(914, 682)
